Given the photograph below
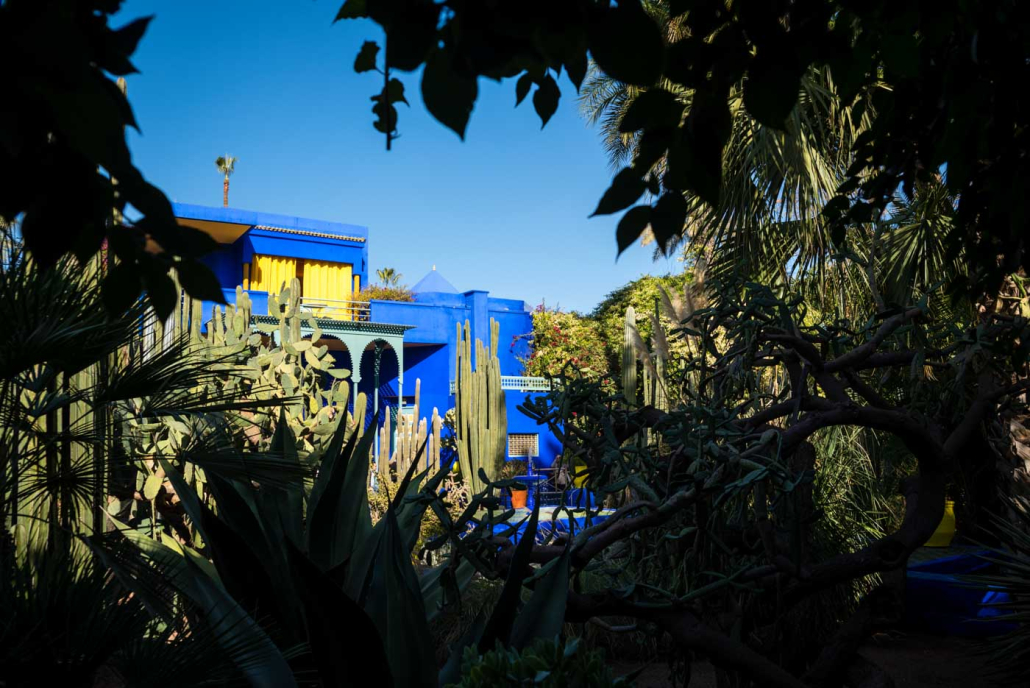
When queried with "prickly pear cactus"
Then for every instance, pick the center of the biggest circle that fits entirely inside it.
(263, 363)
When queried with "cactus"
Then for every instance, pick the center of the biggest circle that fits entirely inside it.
(481, 419)
(629, 358)
(292, 368)
(412, 433)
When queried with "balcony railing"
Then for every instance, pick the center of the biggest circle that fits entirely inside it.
(336, 309)
(519, 383)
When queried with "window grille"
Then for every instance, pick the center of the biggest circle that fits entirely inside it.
(523, 445)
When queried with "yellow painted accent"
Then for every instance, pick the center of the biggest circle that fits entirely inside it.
(246, 276)
(270, 273)
(357, 283)
(579, 469)
(323, 280)
(946, 530)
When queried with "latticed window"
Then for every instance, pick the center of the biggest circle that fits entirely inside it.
(523, 444)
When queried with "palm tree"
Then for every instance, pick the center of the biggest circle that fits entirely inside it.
(768, 222)
(226, 165)
(774, 184)
(389, 277)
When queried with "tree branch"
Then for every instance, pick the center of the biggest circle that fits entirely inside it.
(868, 348)
(688, 632)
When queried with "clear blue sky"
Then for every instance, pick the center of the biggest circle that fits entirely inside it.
(273, 84)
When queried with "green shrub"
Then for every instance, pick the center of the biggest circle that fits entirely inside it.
(385, 293)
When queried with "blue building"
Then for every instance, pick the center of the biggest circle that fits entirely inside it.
(404, 341)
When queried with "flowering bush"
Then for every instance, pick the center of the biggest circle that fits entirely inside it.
(562, 338)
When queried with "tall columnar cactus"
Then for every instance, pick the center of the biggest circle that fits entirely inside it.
(629, 358)
(412, 433)
(481, 418)
(659, 395)
(654, 358)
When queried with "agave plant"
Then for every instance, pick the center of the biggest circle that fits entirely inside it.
(338, 599)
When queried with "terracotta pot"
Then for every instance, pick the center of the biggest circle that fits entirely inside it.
(518, 499)
(946, 530)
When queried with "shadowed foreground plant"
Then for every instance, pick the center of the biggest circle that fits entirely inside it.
(728, 522)
(1010, 653)
(546, 663)
(66, 622)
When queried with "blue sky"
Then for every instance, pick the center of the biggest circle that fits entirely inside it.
(273, 84)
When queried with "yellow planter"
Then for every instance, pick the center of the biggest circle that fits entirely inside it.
(579, 469)
(946, 530)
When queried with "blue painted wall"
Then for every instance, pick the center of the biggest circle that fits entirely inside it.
(351, 246)
(431, 345)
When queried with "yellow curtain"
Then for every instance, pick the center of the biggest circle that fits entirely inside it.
(323, 280)
(268, 273)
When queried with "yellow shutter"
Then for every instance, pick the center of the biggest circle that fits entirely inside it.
(270, 273)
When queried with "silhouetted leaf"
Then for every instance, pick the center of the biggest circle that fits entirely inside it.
(652, 109)
(631, 226)
(451, 671)
(346, 645)
(243, 639)
(448, 95)
(901, 54)
(544, 614)
(232, 550)
(652, 144)
(386, 117)
(626, 44)
(545, 99)
(127, 38)
(410, 39)
(121, 288)
(498, 628)
(668, 217)
(434, 591)
(352, 9)
(122, 44)
(199, 281)
(366, 59)
(395, 92)
(576, 68)
(771, 88)
(695, 159)
(393, 599)
(163, 294)
(339, 521)
(522, 87)
(626, 188)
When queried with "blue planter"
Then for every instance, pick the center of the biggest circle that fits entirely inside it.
(939, 601)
